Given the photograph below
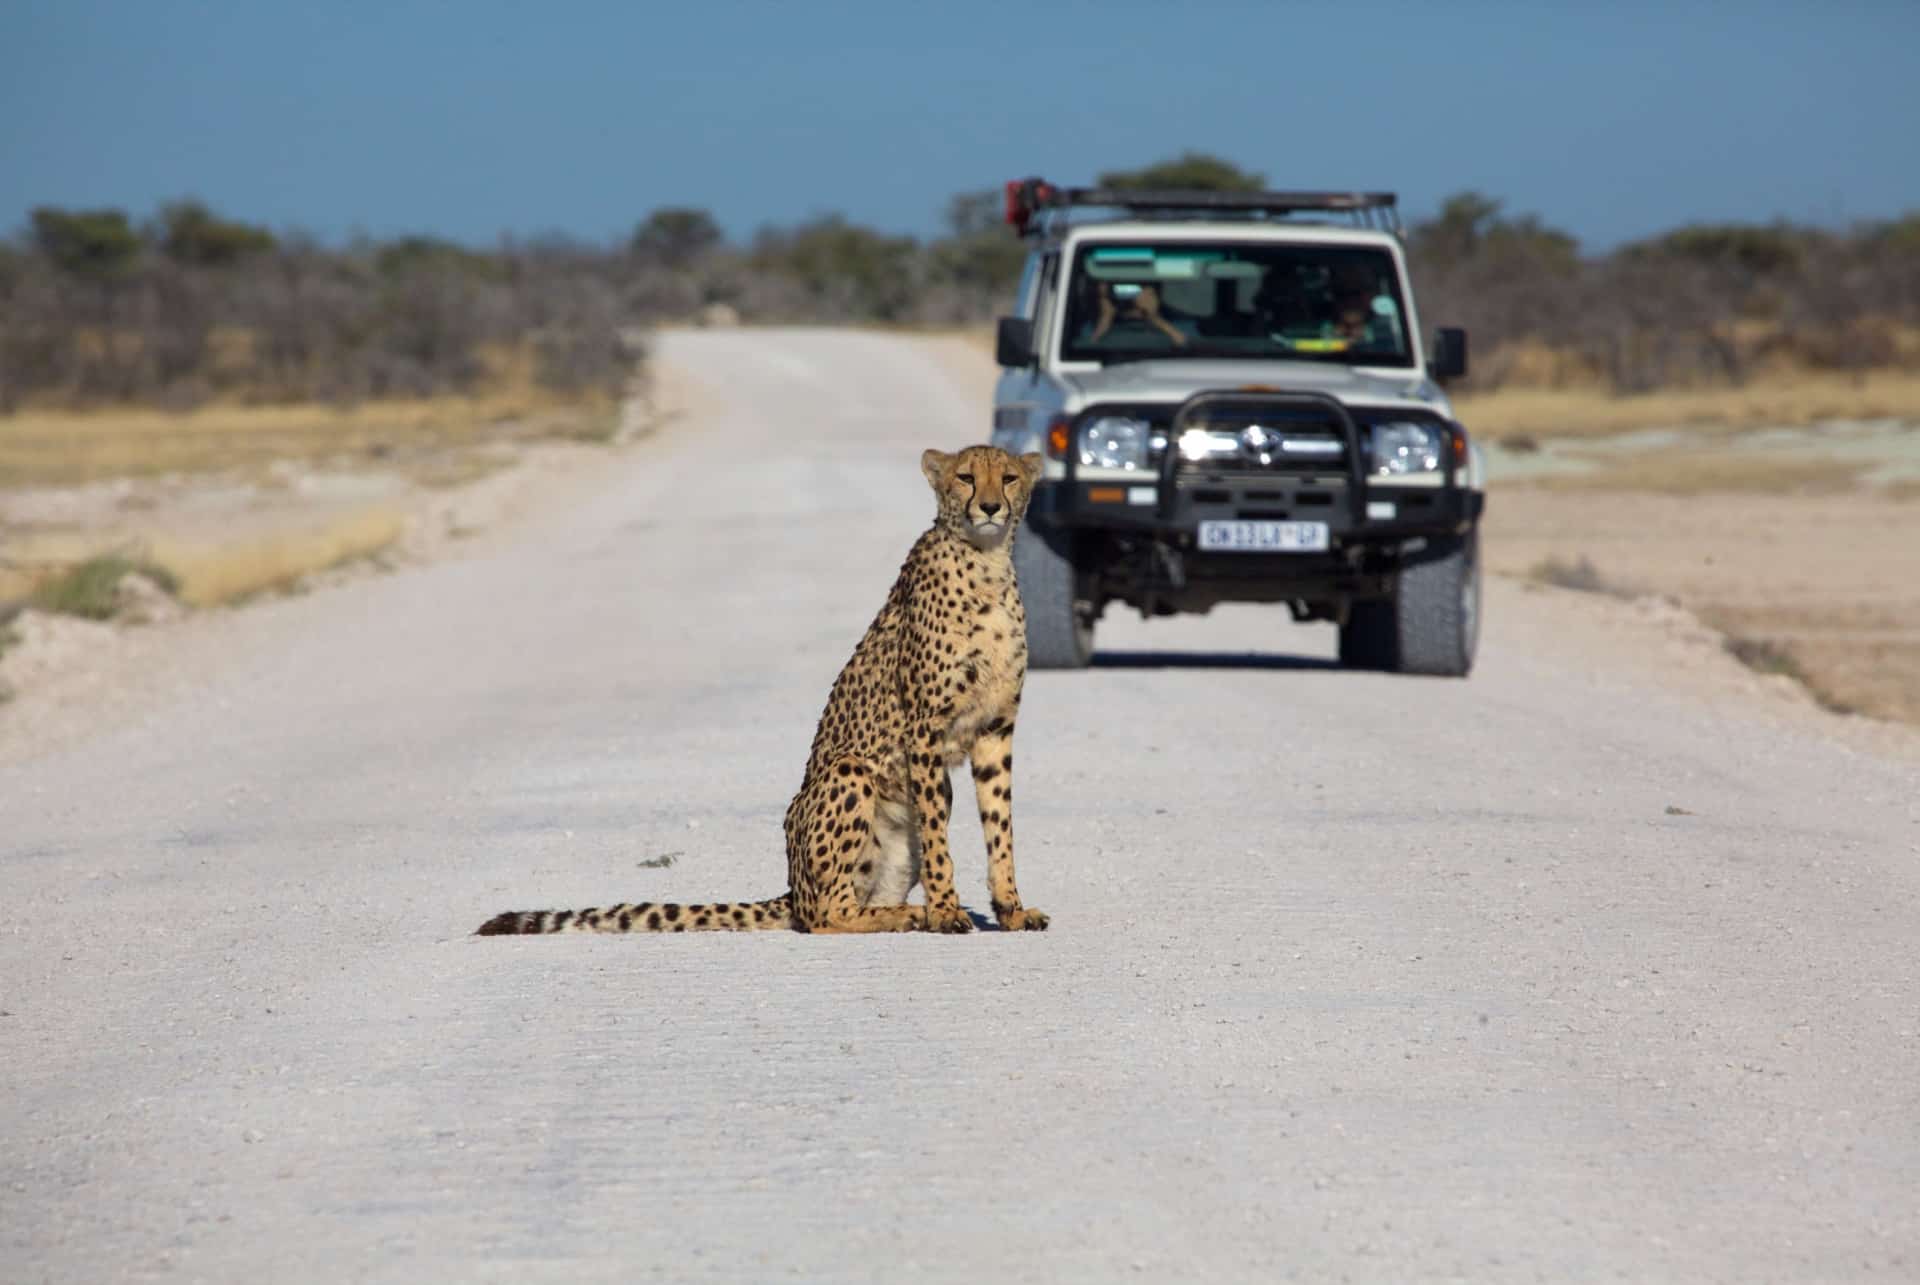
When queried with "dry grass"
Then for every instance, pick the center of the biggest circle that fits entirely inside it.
(202, 572)
(228, 572)
(1548, 413)
(268, 546)
(1880, 677)
(56, 448)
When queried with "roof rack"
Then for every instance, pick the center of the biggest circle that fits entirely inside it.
(1035, 206)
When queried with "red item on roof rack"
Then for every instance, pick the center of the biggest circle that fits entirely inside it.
(1025, 196)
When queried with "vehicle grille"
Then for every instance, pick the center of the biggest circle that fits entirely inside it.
(1262, 446)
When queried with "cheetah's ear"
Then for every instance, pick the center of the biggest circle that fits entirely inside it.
(935, 464)
(1031, 463)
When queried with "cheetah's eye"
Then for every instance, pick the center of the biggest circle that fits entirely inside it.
(965, 477)
(1007, 479)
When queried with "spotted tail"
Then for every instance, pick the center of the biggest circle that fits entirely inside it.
(647, 917)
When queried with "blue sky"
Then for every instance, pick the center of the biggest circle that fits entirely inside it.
(472, 119)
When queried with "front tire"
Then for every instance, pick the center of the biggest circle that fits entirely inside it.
(1059, 627)
(1432, 623)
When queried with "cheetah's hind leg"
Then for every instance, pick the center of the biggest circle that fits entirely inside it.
(848, 869)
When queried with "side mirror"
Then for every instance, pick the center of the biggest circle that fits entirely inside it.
(1448, 360)
(1013, 341)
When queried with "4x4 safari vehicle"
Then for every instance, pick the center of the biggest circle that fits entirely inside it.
(1235, 406)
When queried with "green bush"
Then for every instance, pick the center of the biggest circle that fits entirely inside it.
(426, 255)
(848, 271)
(91, 589)
(1190, 171)
(1470, 226)
(675, 235)
(1769, 250)
(979, 256)
(1900, 236)
(191, 233)
(90, 243)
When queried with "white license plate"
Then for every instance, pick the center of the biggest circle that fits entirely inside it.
(1263, 537)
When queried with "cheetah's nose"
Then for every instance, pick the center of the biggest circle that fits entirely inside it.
(989, 509)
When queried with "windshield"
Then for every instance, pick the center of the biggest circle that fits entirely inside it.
(1134, 301)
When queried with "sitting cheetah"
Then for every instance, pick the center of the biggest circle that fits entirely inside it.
(936, 680)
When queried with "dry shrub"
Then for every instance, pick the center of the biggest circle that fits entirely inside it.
(1579, 575)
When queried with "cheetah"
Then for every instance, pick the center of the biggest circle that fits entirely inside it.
(936, 680)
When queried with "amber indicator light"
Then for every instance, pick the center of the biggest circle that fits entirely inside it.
(1057, 439)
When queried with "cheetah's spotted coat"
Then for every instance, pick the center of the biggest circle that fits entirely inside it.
(936, 680)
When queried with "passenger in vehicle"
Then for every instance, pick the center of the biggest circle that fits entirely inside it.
(1354, 316)
(1326, 310)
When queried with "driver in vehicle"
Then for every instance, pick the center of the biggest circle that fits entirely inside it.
(1138, 302)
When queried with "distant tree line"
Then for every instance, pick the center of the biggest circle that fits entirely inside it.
(1702, 305)
(191, 305)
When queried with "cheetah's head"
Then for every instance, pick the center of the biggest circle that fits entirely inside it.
(983, 491)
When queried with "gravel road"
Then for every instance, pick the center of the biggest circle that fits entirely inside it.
(1560, 973)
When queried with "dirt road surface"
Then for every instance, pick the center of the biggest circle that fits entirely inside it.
(1565, 972)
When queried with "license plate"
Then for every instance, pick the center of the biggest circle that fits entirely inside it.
(1263, 537)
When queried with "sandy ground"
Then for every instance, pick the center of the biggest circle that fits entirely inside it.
(1597, 965)
(230, 537)
(244, 515)
(1833, 579)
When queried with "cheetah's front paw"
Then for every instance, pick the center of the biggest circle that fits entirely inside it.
(953, 920)
(1022, 919)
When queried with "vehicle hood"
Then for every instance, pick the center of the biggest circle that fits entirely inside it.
(1176, 380)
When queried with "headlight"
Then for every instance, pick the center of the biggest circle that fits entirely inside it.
(1113, 441)
(1404, 447)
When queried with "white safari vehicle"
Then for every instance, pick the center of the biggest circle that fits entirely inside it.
(1235, 405)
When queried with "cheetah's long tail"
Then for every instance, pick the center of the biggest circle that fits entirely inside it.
(647, 917)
